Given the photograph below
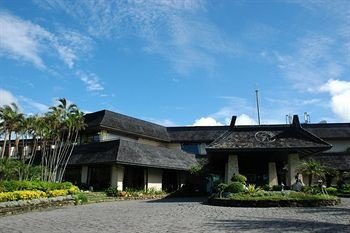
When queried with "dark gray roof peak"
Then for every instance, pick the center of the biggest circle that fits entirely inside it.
(126, 124)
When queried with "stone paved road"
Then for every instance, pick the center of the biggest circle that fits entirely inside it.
(177, 215)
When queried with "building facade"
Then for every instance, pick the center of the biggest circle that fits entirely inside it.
(124, 152)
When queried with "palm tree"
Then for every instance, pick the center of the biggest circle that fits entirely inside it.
(3, 127)
(311, 168)
(10, 123)
(12, 118)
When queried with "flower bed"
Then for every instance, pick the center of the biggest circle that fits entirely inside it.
(26, 190)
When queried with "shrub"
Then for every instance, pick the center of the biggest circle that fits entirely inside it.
(266, 187)
(57, 192)
(239, 178)
(311, 190)
(80, 198)
(10, 186)
(252, 189)
(112, 192)
(12, 169)
(152, 191)
(21, 195)
(10, 196)
(73, 190)
(332, 190)
(221, 187)
(235, 187)
(276, 188)
(27, 195)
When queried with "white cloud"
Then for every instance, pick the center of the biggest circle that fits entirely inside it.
(90, 80)
(21, 39)
(29, 104)
(176, 30)
(340, 97)
(206, 121)
(312, 63)
(6, 98)
(24, 40)
(244, 119)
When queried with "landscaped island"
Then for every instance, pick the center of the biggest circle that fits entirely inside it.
(238, 194)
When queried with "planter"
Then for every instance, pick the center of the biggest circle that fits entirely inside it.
(15, 207)
(272, 203)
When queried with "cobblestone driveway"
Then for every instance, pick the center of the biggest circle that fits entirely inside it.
(177, 215)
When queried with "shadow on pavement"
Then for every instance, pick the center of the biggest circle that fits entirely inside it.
(276, 225)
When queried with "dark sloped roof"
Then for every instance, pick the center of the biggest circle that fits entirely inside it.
(196, 133)
(280, 137)
(340, 161)
(126, 124)
(132, 153)
(329, 130)
(95, 153)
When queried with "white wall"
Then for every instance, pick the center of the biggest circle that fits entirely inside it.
(154, 180)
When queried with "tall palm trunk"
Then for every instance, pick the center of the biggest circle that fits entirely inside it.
(4, 146)
(9, 155)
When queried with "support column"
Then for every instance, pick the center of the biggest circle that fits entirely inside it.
(272, 174)
(231, 167)
(84, 174)
(181, 178)
(117, 176)
(154, 180)
(293, 162)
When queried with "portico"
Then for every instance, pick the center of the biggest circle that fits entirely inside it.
(264, 154)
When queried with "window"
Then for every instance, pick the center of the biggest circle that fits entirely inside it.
(191, 148)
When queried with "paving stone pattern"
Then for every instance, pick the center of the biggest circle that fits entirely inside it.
(179, 215)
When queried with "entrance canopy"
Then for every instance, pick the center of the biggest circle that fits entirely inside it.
(267, 138)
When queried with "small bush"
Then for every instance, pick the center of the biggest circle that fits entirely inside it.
(73, 190)
(221, 187)
(80, 198)
(276, 188)
(239, 178)
(112, 192)
(235, 187)
(57, 192)
(332, 191)
(311, 190)
(251, 189)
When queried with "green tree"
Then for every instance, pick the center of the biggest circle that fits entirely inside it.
(312, 169)
(11, 121)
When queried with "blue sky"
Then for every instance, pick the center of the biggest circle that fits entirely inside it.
(179, 62)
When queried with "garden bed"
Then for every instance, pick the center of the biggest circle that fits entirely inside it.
(95, 197)
(274, 202)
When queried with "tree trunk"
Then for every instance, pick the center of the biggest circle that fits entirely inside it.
(310, 180)
(4, 146)
(9, 155)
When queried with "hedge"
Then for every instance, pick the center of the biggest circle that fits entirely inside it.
(30, 194)
(26, 190)
(13, 185)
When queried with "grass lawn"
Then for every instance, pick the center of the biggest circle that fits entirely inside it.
(95, 197)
